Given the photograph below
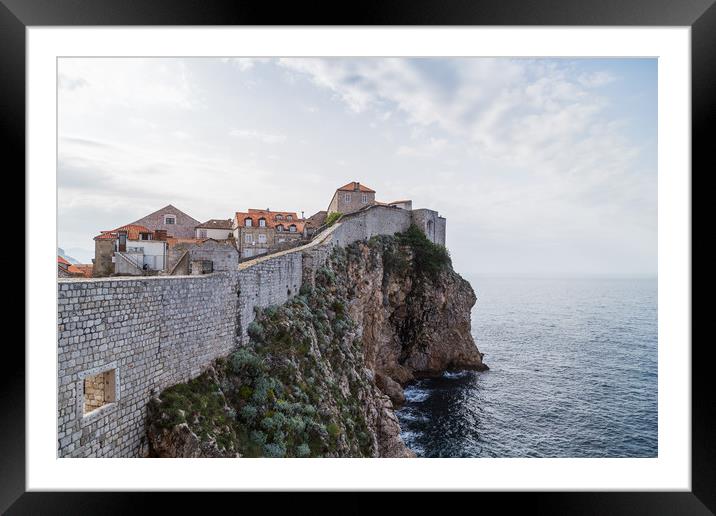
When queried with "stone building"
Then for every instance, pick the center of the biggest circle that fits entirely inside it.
(172, 220)
(222, 255)
(218, 229)
(351, 197)
(129, 250)
(66, 269)
(260, 231)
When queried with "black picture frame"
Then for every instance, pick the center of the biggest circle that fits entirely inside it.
(700, 15)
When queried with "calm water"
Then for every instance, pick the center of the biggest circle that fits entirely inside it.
(573, 373)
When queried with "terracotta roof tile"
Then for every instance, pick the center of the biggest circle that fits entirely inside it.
(61, 260)
(82, 269)
(273, 218)
(352, 187)
(133, 231)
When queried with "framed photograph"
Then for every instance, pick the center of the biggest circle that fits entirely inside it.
(426, 249)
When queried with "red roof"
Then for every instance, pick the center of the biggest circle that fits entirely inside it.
(61, 260)
(81, 269)
(133, 231)
(272, 218)
(355, 185)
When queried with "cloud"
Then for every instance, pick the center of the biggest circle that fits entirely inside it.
(432, 148)
(252, 134)
(68, 83)
(527, 112)
(595, 79)
(245, 63)
(137, 85)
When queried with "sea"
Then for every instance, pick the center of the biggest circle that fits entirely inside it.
(573, 373)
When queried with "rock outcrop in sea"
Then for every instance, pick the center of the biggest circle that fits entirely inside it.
(323, 373)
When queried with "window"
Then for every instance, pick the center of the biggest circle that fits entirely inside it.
(248, 238)
(99, 390)
(262, 238)
(279, 216)
(145, 236)
(262, 222)
(347, 197)
(292, 228)
(364, 198)
(247, 222)
(289, 217)
(169, 219)
(202, 233)
(279, 227)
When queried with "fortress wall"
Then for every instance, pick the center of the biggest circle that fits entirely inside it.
(432, 224)
(269, 281)
(150, 333)
(378, 220)
(143, 334)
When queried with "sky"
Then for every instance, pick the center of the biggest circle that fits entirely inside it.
(541, 166)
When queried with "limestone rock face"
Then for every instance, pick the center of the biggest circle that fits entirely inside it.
(180, 441)
(412, 325)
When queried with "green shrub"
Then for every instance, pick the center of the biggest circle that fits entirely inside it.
(255, 331)
(333, 430)
(248, 413)
(245, 392)
(428, 258)
(275, 450)
(303, 450)
(333, 217)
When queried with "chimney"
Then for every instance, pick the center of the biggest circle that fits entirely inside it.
(356, 186)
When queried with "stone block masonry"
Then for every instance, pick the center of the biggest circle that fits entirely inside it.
(148, 333)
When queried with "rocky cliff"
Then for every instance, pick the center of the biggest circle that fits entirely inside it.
(323, 372)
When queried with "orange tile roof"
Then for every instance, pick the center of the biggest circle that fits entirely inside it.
(133, 231)
(273, 218)
(352, 186)
(61, 260)
(81, 269)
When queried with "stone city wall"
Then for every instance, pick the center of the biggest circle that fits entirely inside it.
(152, 332)
(148, 333)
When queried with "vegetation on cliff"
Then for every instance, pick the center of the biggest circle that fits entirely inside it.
(307, 383)
(295, 391)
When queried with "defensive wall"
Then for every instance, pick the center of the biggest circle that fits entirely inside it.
(131, 337)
